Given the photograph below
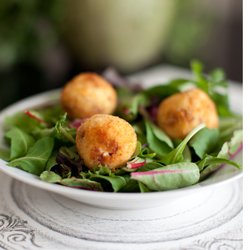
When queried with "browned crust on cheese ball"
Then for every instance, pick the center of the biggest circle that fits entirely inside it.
(180, 113)
(88, 94)
(106, 140)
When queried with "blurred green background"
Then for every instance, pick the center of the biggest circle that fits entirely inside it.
(44, 43)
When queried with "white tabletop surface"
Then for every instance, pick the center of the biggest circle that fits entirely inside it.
(31, 218)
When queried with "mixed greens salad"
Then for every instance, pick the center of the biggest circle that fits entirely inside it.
(42, 141)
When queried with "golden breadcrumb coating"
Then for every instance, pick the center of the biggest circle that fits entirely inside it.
(106, 140)
(180, 113)
(88, 94)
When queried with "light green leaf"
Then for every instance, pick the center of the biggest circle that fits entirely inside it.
(50, 176)
(82, 183)
(158, 146)
(143, 188)
(208, 159)
(117, 182)
(169, 177)
(228, 149)
(4, 154)
(20, 142)
(160, 134)
(35, 160)
(137, 150)
(52, 160)
(176, 155)
(70, 152)
(204, 141)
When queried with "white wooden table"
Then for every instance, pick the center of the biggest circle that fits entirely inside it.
(31, 218)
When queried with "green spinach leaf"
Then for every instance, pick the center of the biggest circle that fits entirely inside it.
(158, 146)
(117, 182)
(20, 142)
(204, 141)
(176, 155)
(208, 159)
(38, 155)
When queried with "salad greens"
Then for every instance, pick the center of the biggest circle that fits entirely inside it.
(42, 142)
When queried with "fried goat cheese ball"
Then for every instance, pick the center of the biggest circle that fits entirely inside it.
(88, 94)
(180, 113)
(106, 140)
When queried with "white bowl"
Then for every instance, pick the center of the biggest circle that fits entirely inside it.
(108, 200)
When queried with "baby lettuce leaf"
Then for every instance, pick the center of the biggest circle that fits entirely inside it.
(128, 103)
(20, 142)
(140, 132)
(47, 115)
(36, 115)
(52, 160)
(51, 114)
(102, 170)
(179, 83)
(208, 159)
(107, 178)
(229, 124)
(125, 96)
(161, 135)
(163, 91)
(145, 153)
(23, 122)
(217, 75)
(187, 155)
(204, 141)
(169, 177)
(82, 183)
(66, 165)
(138, 100)
(159, 146)
(228, 150)
(52, 177)
(197, 70)
(143, 188)
(176, 155)
(215, 85)
(116, 182)
(61, 132)
(226, 129)
(137, 150)
(5, 154)
(41, 133)
(131, 186)
(64, 133)
(35, 160)
(70, 152)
